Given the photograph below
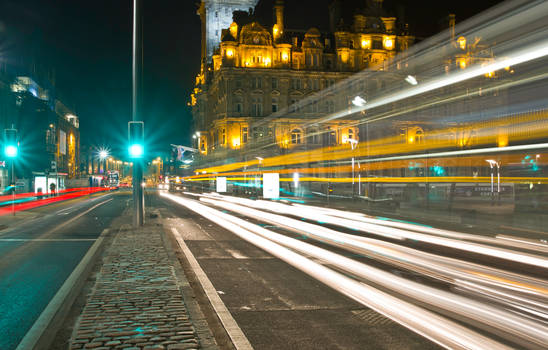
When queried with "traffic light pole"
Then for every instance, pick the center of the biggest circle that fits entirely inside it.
(138, 189)
(138, 194)
(12, 180)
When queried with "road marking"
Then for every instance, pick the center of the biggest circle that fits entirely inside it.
(11, 229)
(372, 317)
(236, 255)
(238, 337)
(80, 215)
(47, 239)
(522, 229)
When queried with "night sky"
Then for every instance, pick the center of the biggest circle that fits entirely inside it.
(88, 45)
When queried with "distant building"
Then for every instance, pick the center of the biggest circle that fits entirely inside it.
(48, 132)
(254, 90)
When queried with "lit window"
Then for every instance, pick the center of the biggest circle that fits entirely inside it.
(461, 41)
(388, 43)
(296, 136)
(366, 43)
(244, 135)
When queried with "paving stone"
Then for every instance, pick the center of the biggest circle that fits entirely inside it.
(113, 343)
(136, 301)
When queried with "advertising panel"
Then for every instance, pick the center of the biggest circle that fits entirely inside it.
(221, 184)
(62, 142)
(271, 185)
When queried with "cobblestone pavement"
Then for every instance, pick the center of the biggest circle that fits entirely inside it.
(136, 302)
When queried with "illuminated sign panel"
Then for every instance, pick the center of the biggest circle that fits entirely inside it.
(271, 185)
(221, 184)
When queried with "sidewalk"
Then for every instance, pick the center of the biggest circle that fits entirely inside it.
(137, 300)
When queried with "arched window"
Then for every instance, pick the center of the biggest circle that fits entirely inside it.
(418, 136)
(296, 136)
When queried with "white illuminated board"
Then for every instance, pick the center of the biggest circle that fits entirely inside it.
(62, 142)
(271, 185)
(221, 184)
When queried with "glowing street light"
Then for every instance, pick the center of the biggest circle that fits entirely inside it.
(103, 154)
(358, 101)
(411, 80)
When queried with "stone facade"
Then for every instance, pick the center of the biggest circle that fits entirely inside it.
(265, 86)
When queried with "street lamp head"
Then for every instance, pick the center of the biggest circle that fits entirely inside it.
(103, 154)
(492, 162)
(411, 80)
(358, 101)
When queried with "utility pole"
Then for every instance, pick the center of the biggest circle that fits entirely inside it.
(136, 126)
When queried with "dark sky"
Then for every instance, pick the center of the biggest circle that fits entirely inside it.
(88, 44)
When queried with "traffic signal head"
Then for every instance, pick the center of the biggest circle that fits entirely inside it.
(136, 131)
(11, 147)
(136, 150)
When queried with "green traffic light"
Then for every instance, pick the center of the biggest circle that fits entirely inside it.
(11, 151)
(136, 151)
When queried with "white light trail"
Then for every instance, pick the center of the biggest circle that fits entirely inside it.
(397, 233)
(438, 329)
(434, 266)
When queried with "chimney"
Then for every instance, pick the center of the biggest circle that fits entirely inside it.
(452, 25)
(334, 15)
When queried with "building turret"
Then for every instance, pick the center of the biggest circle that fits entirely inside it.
(278, 19)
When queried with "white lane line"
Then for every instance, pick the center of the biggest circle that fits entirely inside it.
(47, 239)
(12, 229)
(82, 214)
(235, 333)
(236, 255)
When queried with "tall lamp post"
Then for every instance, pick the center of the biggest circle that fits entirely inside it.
(492, 164)
(353, 144)
(136, 127)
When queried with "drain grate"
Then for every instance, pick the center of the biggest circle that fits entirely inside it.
(373, 318)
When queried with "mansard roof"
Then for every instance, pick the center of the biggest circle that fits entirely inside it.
(255, 34)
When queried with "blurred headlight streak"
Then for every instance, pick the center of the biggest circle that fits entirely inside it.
(435, 266)
(396, 233)
(436, 328)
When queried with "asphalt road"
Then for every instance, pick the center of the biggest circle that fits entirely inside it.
(36, 257)
(276, 305)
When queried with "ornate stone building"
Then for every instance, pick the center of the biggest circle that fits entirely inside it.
(264, 86)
